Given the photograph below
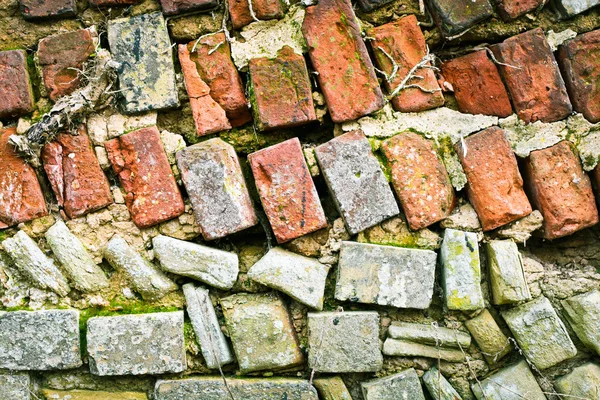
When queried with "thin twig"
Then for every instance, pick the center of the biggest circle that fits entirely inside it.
(427, 58)
(493, 57)
(252, 11)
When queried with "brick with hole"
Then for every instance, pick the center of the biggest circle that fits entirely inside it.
(398, 46)
(15, 84)
(241, 11)
(511, 9)
(455, 16)
(46, 9)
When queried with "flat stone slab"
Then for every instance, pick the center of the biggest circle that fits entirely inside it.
(213, 388)
(215, 267)
(344, 342)
(261, 332)
(515, 382)
(92, 395)
(147, 74)
(583, 313)
(507, 279)
(403, 385)
(540, 333)
(136, 344)
(40, 340)
(302, 278)
(385, 275)
(581, 383)
(487, 334)
(429, 334)
(438, 386)
(569, 8)
(406, 348)
(15, 386)
(332, 388)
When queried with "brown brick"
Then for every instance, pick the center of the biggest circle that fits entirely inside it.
(140, 161)
(74, 172)
(208, 115)
(21, 198)
(172, 7)
(419, 178)
(511, 9)
(495, 186)
(339, 55)
(477, 85)
(282, 95)
(60, 56)
(287, 191)
(579, 60)
(220, 74)
(239, 11)
(561, 190)
(405, 43)
(111, 3)
(532, 77)
(455, 16)
(38, 9)
(15, 86)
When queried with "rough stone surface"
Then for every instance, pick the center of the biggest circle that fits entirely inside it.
(505, 267)
(461, 274)
(172, 7)
(339, 55)
(215, 184)
(145, 277)
(356, 181)
(75, 175)
(404, 385)
(540, 333)
(344, 342)
(487, 334)
(395, 232)
(404, 42)
(463, 218)
(521, 230)
(453, 17)
(495, 186)
(583, 382)
(15, 84)
(136, 344)
(538, 91)
(51, 394)
(406, 348)
(287, 192)
(561, 190)
(429, 334)
(570, 8)
(477, 85)
(332, 388)
(140, 161)
(16, 386)
(438, 387)
(419, 178)
(240, 13)
(301, 278)
(111, 124)
(39, 340)
(261, 332)
(510, 383)
(385, 275)
(215, 267)
(32, 9)
(511, 9)
(583, 314)
(149, 82)
(81, 268)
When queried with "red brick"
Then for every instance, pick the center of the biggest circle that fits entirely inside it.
(172, 7)
(339, 55)
(282, 95)
(419, 178)
(140, 161)
(239, 11)
(15, 86)
(579, 60)
(477, 85)
(60, 56)
(208, 115)
(38, 9)
(405, 43)
(495, 186)
(21, 198)
(511, 9)
(75, 175)
(532, 77)
(287, 191)
(561, 190)
(219, 72)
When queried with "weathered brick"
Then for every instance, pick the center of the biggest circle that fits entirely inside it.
(140, 161)
(370, 5)
(208, 115)
(489, 337)
(363, 196)
(216, 187)
(239, 11)
(15, 85)
(60, 57)
(287, 192)
(419, 178)
(494, 183)
(455, 16)
(217, 70)
(511, 9)
(21, 198)
(172, 7)
(339, 55)
(561, 190)
(142, 46)
(281, 92)
(332, 388)
(75, 175)
(477, 85)
(38, 9)
(570, 8)
(112, 3)
(532, 77)
(579, 60)
(404, 42)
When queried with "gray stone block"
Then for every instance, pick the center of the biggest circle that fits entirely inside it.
(403, 385)
(385, 275)
(583, 314)
(136, 344)
(362, 194)
(15, 387)
(406, 348)
(570, 8)
(581, 383)
(515, 382)
(344, 342)
(429, 334)
(39, 340)
(507, 279)
(142, 47)
(438, 387)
